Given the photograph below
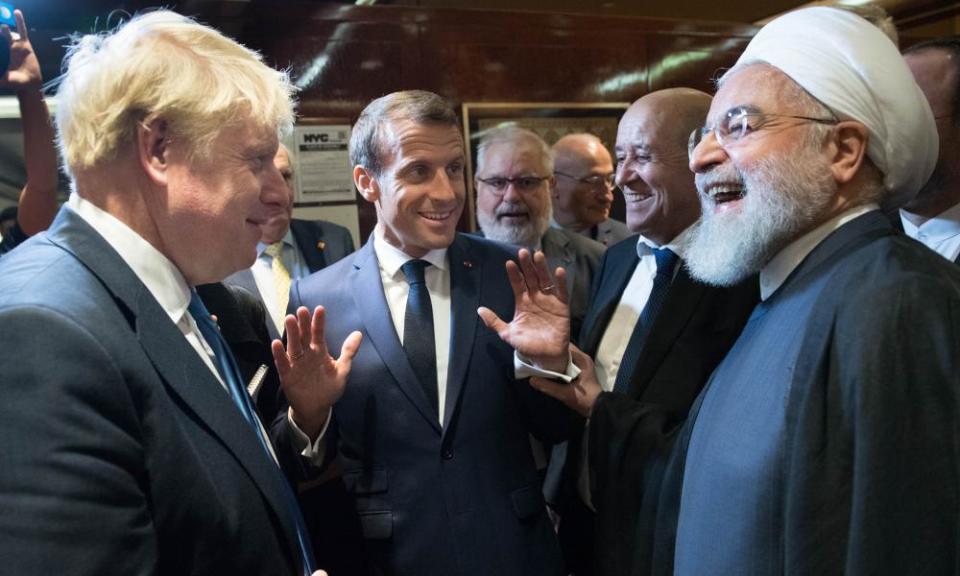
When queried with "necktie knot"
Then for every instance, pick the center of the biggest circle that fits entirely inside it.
(199, 312)
(274, 250)
(666, 260)
(415, 271)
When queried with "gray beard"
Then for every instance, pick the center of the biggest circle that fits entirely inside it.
(784, 198)
(527, 235)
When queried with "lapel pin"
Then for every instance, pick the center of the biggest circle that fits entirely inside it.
(468, 264)
(321, 245)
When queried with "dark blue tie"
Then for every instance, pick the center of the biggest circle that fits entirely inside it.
(418, 339)
(666, 261)
(227, 367)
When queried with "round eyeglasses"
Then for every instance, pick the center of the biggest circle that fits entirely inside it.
(522, 184)
(593, 180)
(740, 122)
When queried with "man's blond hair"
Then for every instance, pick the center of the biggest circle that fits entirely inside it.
(162, 65)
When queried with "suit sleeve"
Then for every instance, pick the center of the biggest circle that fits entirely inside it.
(873, 484)
(71, 490)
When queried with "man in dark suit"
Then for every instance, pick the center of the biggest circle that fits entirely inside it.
(142, 453)
(432, 423)
(583, 189)
(288, 250)
(513, 179)
(643, 355)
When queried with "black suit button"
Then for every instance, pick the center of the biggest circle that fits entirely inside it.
(447, 454)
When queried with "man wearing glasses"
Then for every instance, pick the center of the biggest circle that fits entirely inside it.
(514, 175)
(826, 441)
(583, 189)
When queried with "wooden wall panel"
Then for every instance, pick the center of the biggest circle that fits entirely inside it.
(346, 56)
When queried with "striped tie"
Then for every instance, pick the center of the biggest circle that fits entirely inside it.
(281, 276)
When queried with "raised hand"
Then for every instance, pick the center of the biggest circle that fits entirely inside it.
(312, 380)
(540, 329)
(24, 69)
(579, 395)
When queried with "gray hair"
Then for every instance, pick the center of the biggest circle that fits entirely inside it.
(510, 133)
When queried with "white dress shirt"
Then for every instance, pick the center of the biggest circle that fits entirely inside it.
(262, 271)
(156, 271)
(161, 277)
(396, 289)
(617, 335)
(940, 233)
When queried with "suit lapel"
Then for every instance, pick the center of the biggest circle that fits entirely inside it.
(606, 299)
(311, 245)
(682, 299)
(184, 373)
(367, 289)
(556, 247)
(465, 275)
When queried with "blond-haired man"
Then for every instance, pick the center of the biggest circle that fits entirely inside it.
(128, 443)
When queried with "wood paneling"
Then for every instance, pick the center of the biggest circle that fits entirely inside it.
(344, 56)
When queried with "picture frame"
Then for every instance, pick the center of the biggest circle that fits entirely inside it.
(550, 120)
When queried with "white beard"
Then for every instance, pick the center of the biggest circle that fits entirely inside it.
(527, 235)
(784, 198)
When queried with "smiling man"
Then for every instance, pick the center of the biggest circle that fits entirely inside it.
(826, 442)
(433, 427)
(654, 332)
(583, 189)
(129, 443)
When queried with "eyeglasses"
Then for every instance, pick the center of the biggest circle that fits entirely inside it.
(593, 180)
(740, 122)
(522, 184)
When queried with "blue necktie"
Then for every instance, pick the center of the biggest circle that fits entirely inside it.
(227, 367)
(666, 260)
(418, 339)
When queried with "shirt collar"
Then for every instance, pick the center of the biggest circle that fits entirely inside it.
(287, 241)
(678, 245)
(941, 227)
(773, 275)
(392, 258)
(156, 271)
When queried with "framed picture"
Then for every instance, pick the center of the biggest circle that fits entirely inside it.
(551, 121)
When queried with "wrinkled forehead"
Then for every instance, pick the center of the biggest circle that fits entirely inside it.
(759, 87)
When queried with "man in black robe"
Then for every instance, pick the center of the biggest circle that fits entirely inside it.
(827, 441)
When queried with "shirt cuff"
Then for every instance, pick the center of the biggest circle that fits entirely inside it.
(313, 452)
(523, 368)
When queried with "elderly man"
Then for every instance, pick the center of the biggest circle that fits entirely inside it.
(128, 442)
(432, 423)
(514, 175)
(826, 441)
(583, 189)
(933, 217)
(655, 333)
(289, 249)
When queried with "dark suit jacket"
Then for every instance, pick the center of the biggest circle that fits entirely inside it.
(580, 257)
(459, 499)
(123, 453)
(692, 333)
(321, 244)
(327, 508)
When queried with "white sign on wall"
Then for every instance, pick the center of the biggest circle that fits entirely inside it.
(325, 173)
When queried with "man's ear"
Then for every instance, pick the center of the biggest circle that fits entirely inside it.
(366, 184)
(153, 148)
(849, 148)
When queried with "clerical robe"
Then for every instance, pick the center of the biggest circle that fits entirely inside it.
(827, 441)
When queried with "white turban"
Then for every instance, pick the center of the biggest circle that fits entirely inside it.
(851, 67)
